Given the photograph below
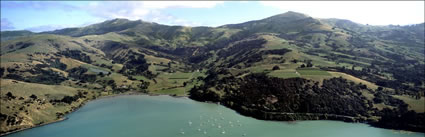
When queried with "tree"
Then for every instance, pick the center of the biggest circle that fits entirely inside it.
(131, 78)
(10, 95)
(33, 96)
(1, 72)
(101, 74)
(111, 82)
(309, 64)
(68, 99)
(276, 68)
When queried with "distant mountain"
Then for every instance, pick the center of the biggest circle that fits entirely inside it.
(9, 35)
(283, 23)
(408, 33)
(285, 67)
(114, 25)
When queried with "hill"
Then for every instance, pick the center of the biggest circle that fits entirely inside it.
(9, 35)
(268, 69)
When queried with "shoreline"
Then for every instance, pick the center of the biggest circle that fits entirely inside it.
(84, 103)
(40, 125)
(179, 96)
(291, 117)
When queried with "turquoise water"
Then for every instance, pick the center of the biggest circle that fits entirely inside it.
(165, 116)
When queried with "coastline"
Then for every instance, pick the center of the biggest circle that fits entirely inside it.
(40, 125)
(263, 115)
(84, 103)
(283, 116)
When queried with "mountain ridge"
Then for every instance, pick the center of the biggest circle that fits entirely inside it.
(286, 14)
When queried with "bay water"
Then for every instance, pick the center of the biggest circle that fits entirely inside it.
(165, 116)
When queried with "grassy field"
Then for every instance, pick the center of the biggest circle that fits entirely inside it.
(354, 79)
(71, 63)
(157, 60)
(312, 71)
(172, 83)
(417, 105)
(317, 75)
(274, 43)
(118, 78)
(14, 58)
(179, 75)
(31, 111)
(284, 74)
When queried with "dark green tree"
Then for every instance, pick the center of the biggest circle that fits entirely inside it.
(275, 68)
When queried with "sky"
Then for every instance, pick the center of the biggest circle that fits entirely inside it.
(40, 16)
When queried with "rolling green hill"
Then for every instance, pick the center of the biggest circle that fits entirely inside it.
(9, 35)
(259, 68)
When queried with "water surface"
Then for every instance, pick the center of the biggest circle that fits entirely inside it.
(165, 116)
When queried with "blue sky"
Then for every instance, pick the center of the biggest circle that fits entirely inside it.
(45, 16)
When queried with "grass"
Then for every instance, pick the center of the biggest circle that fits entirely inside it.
(156, 68)
(174, 91)
(417, 105)
(108, 36)
(354, 79)
(95, 69)
(141, 78)
(172, 83)
(41, 111)
(41, 43)
(180, 75)
(319, 75)
(118, 78)
(156, 60)
(14, 58)
(38, 111)
(71, 63)
(22, 88)
(312, 71)
(284, 74)
(274, 43)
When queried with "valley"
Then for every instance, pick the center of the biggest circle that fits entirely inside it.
(286, 67)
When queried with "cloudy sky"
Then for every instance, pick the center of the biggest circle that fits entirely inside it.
(44, 16)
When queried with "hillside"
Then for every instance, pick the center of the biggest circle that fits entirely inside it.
(267, 69)
(9, 35)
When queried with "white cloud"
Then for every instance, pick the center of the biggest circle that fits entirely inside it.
(6, 24)
(48, 27)
(179, 4)
(365, 12)
(52, 27)
(145, 10)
